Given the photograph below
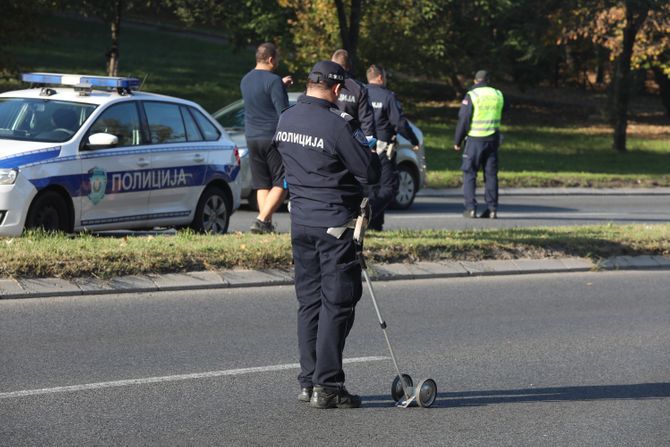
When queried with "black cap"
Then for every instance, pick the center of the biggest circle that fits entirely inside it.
(327, 71)
(482, 75)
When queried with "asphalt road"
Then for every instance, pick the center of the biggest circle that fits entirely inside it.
(534, 360)
(515, 211)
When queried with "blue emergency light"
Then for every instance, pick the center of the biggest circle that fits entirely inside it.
(82, 80)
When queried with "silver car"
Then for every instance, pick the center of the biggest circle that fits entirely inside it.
(411, 164)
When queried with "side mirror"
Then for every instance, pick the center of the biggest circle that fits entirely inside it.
(102, 141)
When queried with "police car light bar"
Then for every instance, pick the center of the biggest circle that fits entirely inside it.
(81, 80)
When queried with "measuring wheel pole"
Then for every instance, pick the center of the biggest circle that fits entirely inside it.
(382, 324)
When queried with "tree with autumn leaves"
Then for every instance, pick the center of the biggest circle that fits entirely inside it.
(636, 34)
(526, 42)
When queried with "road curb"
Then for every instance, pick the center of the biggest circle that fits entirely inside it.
(238, 278)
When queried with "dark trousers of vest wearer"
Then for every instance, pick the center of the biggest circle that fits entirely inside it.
(328, 286)
(480, 153)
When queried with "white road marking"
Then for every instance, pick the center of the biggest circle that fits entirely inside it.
(174, 378)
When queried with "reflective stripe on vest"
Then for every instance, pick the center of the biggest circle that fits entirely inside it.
(487, 103)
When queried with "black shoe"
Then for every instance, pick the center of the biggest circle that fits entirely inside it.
(489, 214)
(262, 227)
(333, 398)
(472, 214)
(305, 394)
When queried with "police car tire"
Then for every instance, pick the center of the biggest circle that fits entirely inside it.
(50, 212)
(403, 198)
(215, 196)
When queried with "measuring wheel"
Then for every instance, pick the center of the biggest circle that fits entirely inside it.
(426, 392)
(397, 392)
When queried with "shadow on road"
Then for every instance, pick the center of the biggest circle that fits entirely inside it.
(640, 391)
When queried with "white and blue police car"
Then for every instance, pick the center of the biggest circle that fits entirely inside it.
(94, 153)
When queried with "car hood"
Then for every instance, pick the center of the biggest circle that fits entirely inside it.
(15, 153)
(14, 147)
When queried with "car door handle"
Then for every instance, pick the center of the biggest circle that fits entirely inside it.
(142, 162)
(198, 158)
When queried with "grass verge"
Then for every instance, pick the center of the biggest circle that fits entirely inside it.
(47, 255)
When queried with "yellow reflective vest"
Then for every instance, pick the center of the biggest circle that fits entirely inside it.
(487, 103)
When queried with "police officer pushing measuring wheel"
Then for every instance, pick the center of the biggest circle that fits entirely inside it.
(327, 163)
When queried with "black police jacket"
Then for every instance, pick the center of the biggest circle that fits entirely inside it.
(354, 100)
(389, 117)
(326, 163)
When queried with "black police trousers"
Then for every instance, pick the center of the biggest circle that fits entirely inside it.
(480, 153)
(328, 286)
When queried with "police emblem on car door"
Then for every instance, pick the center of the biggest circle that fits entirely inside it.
(98, 182)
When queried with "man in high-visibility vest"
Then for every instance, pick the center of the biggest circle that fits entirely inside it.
(479, 125)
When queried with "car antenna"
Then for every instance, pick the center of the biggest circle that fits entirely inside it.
(146, 76)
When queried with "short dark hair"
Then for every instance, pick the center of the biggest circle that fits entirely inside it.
(323, 85)
(341, 56)
(375, 70)
(265, 51)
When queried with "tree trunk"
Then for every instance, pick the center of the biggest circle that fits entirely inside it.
(354, 29)
(349, 31)
(601, 57)
(113, 53)
(634, 19)
(663, 82)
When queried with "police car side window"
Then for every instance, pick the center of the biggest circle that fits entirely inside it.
(210, 131)
(121, 120)
(192, 131)
(165, 122)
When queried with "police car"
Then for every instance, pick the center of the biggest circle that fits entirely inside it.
(411, 164)
(94, 153)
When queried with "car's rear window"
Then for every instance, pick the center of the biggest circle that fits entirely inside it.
(43, 120)
(209, 130)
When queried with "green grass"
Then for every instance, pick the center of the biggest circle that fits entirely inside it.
(206, 72)
(51, 255)
(546, 144)
(556, 156)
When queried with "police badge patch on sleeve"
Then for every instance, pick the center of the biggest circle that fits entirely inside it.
(360, 137)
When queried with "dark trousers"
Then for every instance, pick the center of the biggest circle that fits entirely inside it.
(480, 153)
(328, 286)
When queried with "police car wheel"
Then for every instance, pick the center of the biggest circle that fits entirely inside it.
(407, 188)
(49, 211)
(213, 212)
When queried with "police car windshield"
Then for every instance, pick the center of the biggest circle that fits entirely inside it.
(42, 120)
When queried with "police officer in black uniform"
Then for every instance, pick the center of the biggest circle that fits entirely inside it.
(353, 98)
(389, 120)
(327, 163)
